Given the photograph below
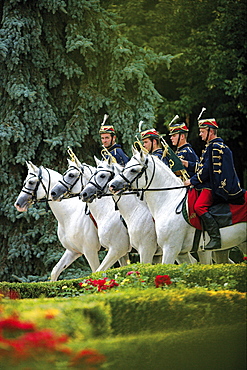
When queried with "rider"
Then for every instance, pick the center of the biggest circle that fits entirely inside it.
(179, 133)
(152, 143)
(215, 178)
(108, 139)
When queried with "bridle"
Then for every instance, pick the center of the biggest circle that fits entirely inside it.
(70, 185)
(100, 190)
(33, 192)
(148, 182)
(139, 175)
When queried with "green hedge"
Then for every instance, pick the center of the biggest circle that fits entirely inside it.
(133, 311)
(214, 348)
(74, 317)
(157, 310)
(232, 277)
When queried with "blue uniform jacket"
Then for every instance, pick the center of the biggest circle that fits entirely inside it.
(187, 153)
(216, 171)
(118, 153)
(159, 153)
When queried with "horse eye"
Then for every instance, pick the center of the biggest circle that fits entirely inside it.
(133, 170)
(31, 182)
(102, 176)
(71, 175)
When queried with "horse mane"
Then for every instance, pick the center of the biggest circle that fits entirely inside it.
(114, 165)
(165, 168)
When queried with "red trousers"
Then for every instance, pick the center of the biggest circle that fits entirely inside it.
(203, 202)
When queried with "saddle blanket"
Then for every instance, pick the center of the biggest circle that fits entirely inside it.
(224, 213)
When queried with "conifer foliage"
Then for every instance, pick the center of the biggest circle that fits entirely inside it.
(64, 64)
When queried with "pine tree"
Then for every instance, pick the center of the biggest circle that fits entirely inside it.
(64, 64)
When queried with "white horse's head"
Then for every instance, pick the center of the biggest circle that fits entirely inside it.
(131, 175)
(142, 170)
(98, 184)
(74, 179)
(35, 187)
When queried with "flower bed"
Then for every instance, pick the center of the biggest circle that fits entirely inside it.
(134, 302)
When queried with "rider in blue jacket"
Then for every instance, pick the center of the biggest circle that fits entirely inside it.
(108, 139)
(215, 179)
(179, 133)
(151, 142)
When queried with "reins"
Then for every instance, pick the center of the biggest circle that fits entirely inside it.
(100, 189)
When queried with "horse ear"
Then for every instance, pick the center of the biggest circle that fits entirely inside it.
(134, 150)
(31, 166)
(142, 155)
(70, 162)
(75, 162)
(97, 161)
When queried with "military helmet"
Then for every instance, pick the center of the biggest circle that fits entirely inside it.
(178, 128)
(208, 123)
(150, 134)
(107, 129)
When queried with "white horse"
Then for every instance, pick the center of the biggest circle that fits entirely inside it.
(76, 231)
(135, 212)
(174, 234)
(113, 234)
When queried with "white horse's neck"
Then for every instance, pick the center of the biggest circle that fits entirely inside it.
(64, 209)
(100, 208)
(162, 177)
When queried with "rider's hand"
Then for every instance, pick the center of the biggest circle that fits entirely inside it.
(187, 183)
(185, 163)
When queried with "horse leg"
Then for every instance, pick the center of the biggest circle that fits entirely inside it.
(147, 255)
(66, 260)
(112, 257)
(125, 260)
(185, 258)
(91, 254)
(157, 259)
(169, 255)
(205, 257)
(222, 256)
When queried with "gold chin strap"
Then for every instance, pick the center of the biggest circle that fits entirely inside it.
(71, 154)
(105, 153)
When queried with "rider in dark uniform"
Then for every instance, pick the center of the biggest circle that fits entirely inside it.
(108, 139)
(215, 178)
(179, 133)
(151, 142)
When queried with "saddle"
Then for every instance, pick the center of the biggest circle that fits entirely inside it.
(225, 214)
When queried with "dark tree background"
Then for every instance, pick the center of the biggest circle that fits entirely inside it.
(65, 63)
(209, 40)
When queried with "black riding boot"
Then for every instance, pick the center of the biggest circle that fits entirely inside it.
(212, 228)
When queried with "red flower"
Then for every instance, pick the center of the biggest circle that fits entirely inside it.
(162, 280)
(13, 323)
(11, 294)
(132, 272)
(245, 258)
(87, 356)
(101, 284)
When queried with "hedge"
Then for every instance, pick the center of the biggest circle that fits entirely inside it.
(231, 277)
(133, 311)
(216, 348)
